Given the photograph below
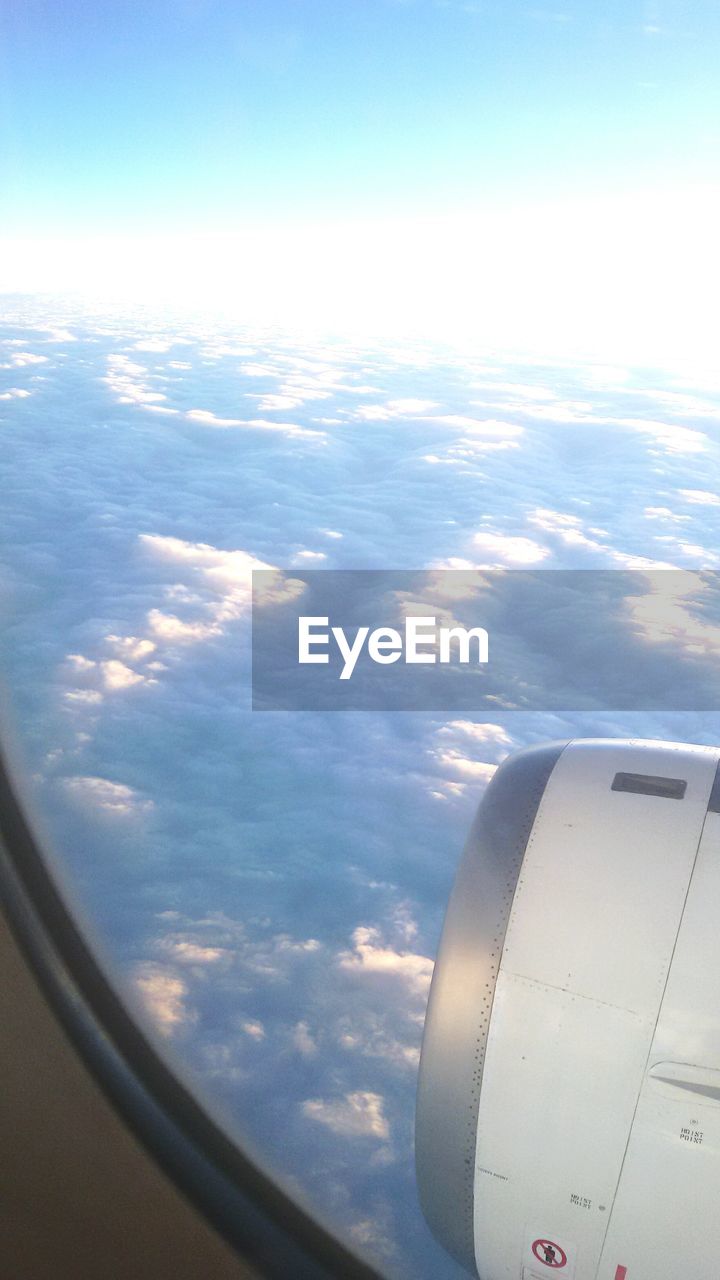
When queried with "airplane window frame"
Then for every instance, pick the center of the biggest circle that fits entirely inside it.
(246, 1207)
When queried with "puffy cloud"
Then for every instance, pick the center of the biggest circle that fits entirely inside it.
(22, 358)
(700, 497)
(664, 513)
(374, 1235)
(254, 1029)
(166, 626)
(310, 556)
(131, 647)
(488, 428)
(96, 677)
(570, 532)
(303, 1040)
(154, 344)
(163, 995)
(669, 437)
(513, 390)
(109, 797)
(271, 919)
(217, 564)
(671, 610)
(270, 403)
(454, 763)
(186, 951)
(369, 955)
(119, 676)
(356, 1115)
(256, 369)
(372, 1038)
(290, 429)
(394, 409)
(130, 382)
(478, 732)
(83, 697)
(464, 766)
(224, 579)
(509, 549)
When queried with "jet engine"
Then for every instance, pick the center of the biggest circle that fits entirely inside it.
(568, 1110)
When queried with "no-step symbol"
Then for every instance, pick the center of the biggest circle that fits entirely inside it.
(549, 1253)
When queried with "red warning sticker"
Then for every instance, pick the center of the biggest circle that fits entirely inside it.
(545, 1253)
(621, 1273)
(549, 1253)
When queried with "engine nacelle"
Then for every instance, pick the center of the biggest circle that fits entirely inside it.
(568, 1113)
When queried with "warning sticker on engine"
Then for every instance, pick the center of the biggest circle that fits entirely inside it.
(548, 1254)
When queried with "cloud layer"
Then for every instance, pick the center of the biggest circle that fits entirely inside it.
(269, 890)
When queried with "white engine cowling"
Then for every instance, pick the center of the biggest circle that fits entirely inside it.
(568, 1114)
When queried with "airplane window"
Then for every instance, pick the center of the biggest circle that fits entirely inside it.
(399, 286)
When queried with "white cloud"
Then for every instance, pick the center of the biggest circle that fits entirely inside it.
(225, 581)
(356, 1115)
(22, 358)
(449, 791)
(670, 610)
(56, 334)
(310, 556)
(509, 548)
(130, 381)
(168, 627)
(119, 676)
(211, 419)
(393, 409)
(255, 369)
(291, 429)
(668, 436)
(383, 1045)
(478, 732)
(303, 1040)
(80, 663)
(109, 797)
(83, 697)
(278, 402)
(568, 529)
(369, 955)
(254, 1028)
(463, 765)
(163, 995)
(105, 676)
(487, 428)
(186, 951)
(700, 497)
(131, 648)
(370, 1234)
(504, 270)
(663, 513)
(153, 344)
(520, 390)
(558, 411)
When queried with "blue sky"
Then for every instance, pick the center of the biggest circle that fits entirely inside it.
(199, 115)
(506, 167)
